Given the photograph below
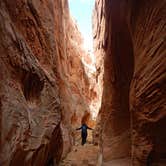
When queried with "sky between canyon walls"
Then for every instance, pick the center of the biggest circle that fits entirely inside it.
(81, 11)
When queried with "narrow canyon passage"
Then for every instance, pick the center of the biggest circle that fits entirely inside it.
(51, 82)
(82, 155)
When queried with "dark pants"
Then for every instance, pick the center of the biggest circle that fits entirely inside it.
(84, 136)
(50, 162)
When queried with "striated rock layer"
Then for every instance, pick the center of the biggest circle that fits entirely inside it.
(43, 81)
(130, 36)
(74, 85)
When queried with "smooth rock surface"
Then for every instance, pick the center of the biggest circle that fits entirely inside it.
(130, 37)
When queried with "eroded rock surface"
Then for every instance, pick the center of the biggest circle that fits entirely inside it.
(44, 90)
(130, 36)
(74, 85)
(30, 103)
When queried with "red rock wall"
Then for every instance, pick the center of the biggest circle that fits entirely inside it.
(44, 90)
(132, 115)
(73, 82)
(147, 94)
(98, 26)
(30, 111)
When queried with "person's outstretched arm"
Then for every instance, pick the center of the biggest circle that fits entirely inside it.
(89, 128)
(79, 128)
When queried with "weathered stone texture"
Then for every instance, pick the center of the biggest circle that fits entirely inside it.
(132, 115)
(148, 87)
(73, 82)
(30, 112)
(44, 90)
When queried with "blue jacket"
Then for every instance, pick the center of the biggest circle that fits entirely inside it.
(83, 129)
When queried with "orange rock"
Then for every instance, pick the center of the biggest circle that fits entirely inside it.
(130, 50)
(43, 81)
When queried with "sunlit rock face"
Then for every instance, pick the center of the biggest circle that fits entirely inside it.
(45, 90)
(73, 82)
(129, 35)
(98, 26)
(148, 86)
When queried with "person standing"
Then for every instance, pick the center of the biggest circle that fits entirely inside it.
(84, 132)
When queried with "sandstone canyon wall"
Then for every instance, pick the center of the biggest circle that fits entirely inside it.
(29, 97)
(130, 36)
(73, 82)
(43, 81)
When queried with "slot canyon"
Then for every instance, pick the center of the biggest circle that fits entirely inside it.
(49, 84)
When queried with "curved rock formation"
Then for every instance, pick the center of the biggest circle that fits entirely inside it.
(73, 82)
(148, 87)
(130, 36)
(44, 89)
(30, 104)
